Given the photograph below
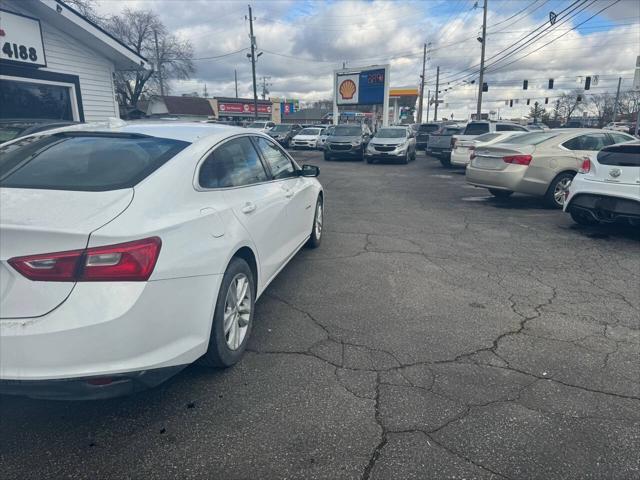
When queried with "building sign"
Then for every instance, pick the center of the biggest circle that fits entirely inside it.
(287, 108)
(21, 40)
(246, 108)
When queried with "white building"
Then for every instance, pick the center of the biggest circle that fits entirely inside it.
(56, 64)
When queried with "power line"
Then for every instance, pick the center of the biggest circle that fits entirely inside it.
(221, 56)
(558, 37)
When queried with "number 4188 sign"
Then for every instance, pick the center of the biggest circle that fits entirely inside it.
(21, 39)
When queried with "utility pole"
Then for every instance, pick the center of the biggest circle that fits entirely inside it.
(615, 105)
(424, 61)
(428, 102)
(253, 64)
(235, 78)
(158, 64)
(435, 109)
(264, 87)
(205, 93)
(484, 43)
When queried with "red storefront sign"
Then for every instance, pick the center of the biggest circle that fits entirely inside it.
(242, 108)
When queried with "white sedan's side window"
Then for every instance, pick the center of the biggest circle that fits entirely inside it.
(279, 163)
(233, 164)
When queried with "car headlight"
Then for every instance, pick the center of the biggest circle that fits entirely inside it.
(356, 143)
(402, 148)
(370, 148)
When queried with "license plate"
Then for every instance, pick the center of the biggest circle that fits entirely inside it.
(490, 163)
(606, 203)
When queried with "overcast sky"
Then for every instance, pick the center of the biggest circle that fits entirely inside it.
(304, 41)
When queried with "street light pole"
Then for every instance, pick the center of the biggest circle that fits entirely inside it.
(253, 65)
(484, 43)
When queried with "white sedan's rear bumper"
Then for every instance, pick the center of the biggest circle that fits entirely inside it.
(108, 328)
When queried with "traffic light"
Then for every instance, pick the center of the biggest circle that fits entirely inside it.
(546, 100)
(579, 98)
(528, 100)
(525, 84)
(587, 83)
(485, 87)
(551, 84)
(511, 103)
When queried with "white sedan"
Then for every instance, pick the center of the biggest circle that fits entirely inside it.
(463, 149)
(307, 138)
(129, 252)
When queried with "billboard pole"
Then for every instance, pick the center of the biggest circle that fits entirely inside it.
(385, 105)
(335, 97)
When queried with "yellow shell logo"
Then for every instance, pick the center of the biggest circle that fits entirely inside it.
(347, 89)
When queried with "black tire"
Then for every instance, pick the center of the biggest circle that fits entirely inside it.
(446, 162)
(413, 156)
(316, 234)
(550, 197)
(500, 193)
(582, 218)
(370, 160)
(327, 157)
(219, 354)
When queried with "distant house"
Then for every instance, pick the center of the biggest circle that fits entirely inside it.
(185, 108)
(57, 64)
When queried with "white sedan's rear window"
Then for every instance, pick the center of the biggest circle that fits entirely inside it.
(85, 161)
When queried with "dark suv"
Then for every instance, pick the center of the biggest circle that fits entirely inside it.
(347, 141)
(422, 136)
(284, 132)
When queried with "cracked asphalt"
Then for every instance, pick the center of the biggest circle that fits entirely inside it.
(437, 333)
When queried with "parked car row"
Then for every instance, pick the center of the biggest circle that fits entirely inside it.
(592, 174)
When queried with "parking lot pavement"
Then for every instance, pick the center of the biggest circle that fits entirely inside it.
(436, 333)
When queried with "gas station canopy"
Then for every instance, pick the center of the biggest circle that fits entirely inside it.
(399, 98)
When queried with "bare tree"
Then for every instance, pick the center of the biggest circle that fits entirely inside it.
(602, 106)
(86, 8)
(629, 103)
(570, 103)
(137, 29)
(538, 113)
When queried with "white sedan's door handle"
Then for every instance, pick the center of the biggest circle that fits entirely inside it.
(289, 193)
(248, 207)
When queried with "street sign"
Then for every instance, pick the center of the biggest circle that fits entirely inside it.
(433, 101)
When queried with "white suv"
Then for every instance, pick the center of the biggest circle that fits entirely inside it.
(607, 187)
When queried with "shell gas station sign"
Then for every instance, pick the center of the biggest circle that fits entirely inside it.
(362, 86)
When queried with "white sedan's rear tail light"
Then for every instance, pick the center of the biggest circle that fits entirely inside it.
(130, 261)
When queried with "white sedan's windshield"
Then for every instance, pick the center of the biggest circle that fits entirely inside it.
(310, 131)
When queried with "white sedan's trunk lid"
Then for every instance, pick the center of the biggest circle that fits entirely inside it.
(46, 221)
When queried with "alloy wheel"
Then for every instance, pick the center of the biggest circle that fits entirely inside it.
(237, 311)
(560, 189)
(318, 225)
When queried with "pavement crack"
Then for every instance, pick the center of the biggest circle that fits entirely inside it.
(375, 455)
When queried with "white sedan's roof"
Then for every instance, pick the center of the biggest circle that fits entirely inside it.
(185, 131)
